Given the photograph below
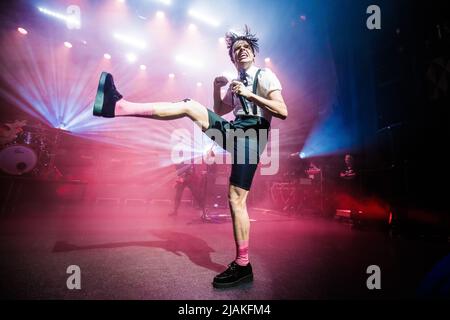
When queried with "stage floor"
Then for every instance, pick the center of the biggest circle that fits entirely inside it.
(142, 253)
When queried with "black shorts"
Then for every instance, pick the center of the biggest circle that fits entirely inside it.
(245, 138)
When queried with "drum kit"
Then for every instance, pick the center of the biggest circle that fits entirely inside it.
(27, 152)
(295, 193)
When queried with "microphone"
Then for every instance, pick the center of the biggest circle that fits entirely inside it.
(243, 103)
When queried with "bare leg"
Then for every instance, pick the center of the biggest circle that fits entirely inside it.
(241, 222)
(165, 111)
(178, 194)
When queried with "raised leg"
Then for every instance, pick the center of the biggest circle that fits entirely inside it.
(165, 111)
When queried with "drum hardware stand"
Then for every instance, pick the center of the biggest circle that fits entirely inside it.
(217, 217)
(52, 171)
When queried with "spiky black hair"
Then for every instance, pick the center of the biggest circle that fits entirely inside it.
(231, 38)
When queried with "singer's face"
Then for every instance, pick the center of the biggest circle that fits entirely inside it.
(242, 52)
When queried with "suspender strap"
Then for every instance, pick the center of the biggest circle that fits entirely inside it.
(255, 82)
(255, 87)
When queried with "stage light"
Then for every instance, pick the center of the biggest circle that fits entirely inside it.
(160, 14)
(67, 44)
(302, 155)
(330, 135)
(121, 1)
(22, 30)
(221, 40)
(204, 18)
(131, 57)
(199, 84)
(142, 67)
(171, 75)
(188, 62)
(107, 56)
(303, 17)
(267, 60)
(137, 43)
(70, 20)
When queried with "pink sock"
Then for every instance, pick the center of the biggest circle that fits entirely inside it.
(242, 252)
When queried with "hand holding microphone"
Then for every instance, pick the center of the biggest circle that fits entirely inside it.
(242, 92)
(240, 88)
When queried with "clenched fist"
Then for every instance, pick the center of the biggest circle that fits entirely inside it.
(220, 82)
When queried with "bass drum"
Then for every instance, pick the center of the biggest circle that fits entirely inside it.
(18, 159)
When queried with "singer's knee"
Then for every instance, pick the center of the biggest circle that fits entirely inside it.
(193, 107)
(197, 112)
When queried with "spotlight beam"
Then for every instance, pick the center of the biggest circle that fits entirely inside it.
(213, 22)
(68, 19)
(134, 42)
(188, 61)
(166, 2)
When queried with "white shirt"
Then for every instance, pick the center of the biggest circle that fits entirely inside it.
(267, 82)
